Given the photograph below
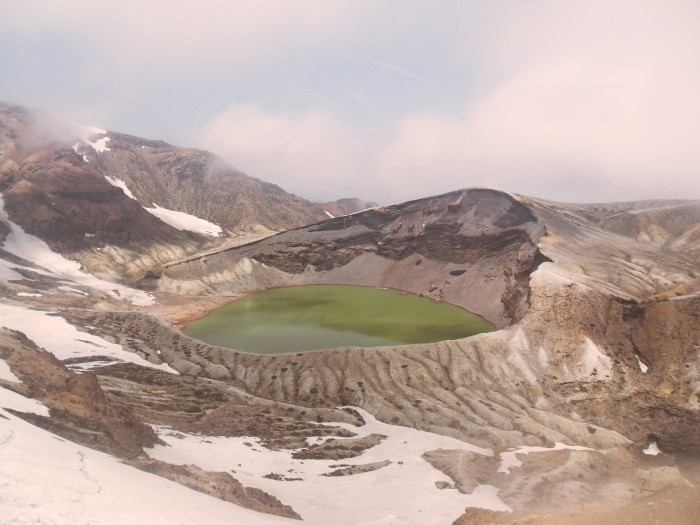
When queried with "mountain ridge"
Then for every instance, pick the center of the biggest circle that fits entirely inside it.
(586, 394)
(84, 190)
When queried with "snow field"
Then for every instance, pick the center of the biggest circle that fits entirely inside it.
(45, 479)
(403, 492)
(652, 449)
(56, 335)
(100, 145)
(644, 368)
(185, 221)
(120, 184)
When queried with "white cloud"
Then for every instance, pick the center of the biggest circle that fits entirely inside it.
(161, 35)
(566, 130)
(584, 132)
(576, 101)
(310, 153)
(586, 101)
(562, 99)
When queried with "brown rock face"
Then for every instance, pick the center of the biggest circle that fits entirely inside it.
(474, 227)
(219, 485)
(72, 208)
(80, 411)
(63, 198)
(57, 158)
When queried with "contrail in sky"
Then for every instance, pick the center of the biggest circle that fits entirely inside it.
(395, 68)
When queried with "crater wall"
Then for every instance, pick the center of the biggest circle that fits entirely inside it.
(472, 248)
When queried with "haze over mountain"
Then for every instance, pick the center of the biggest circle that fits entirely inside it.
(586, 397)
(141, 200)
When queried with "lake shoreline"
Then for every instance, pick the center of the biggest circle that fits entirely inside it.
(181, 310)
(315, 317)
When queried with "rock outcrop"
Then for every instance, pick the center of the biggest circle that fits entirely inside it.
(80, 410)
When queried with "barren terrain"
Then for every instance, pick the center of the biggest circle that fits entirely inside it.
(584, 406)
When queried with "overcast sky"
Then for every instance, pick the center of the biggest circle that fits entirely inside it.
(386, 100)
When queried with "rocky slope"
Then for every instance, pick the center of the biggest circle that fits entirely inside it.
(582, 326)
(109, 200)
(601, 340)
(598, 347)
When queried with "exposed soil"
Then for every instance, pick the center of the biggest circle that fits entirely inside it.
(676, 506)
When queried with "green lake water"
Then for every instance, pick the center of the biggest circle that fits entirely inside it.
(325, 316)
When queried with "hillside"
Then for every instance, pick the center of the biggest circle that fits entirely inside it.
(586, 397)
(121, 205)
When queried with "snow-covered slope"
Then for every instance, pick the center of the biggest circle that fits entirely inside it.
(53, 333)
(176, 219)
(404, 491)
(184, 221)
(52, 264)
(46, 479)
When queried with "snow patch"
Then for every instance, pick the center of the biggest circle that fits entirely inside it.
(594, 362)
(327, 213)
(185, 221)
(76, 146)
(100, 145)
(84, 133)
(176, 219)
(644, 368)
(402, 492)
(26, 294)
(6, 374)
(15, 401)
(46, 479)
(120, 184)
(652, 449)
(34, 250)
(62, 339)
